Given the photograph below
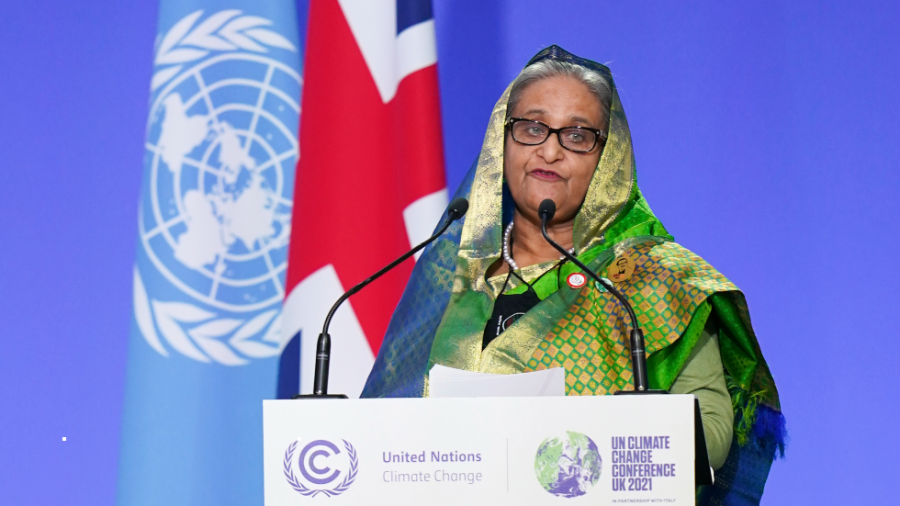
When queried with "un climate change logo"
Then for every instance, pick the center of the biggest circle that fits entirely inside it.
(215, 213)
(568, 465)
(316, 474)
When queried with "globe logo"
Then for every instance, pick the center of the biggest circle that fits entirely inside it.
(220, 207)
(568, 465)
(215, 216)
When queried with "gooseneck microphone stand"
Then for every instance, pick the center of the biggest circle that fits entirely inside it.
(546, 211)
(456, 210)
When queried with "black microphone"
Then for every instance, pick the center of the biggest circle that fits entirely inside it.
(456, 210)
(638, 356)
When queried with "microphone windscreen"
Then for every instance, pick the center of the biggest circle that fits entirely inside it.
(547, 208)
(458, 208)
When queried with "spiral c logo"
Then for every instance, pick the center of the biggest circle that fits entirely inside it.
(308, 468)
(321, 463)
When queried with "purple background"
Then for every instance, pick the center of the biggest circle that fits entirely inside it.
(766, 136)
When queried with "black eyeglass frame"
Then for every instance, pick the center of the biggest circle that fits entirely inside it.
(598, 134)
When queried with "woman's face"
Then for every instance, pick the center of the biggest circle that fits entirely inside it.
(549, 171)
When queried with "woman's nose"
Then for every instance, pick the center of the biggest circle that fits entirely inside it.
(551, 150)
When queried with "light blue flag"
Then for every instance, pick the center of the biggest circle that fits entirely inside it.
(213, 232)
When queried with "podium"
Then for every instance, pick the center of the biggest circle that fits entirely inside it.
(485, 451)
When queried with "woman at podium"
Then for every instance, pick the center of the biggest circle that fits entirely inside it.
(491, 295)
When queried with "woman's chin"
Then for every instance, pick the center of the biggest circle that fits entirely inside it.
(535, 199)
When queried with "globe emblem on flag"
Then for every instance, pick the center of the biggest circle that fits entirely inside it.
(568, 465)
(215, 214)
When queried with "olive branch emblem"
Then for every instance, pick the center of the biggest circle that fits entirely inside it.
(226, 30)
(200, 335)
(311, 492)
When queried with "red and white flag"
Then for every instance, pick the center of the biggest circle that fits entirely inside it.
(370, 180)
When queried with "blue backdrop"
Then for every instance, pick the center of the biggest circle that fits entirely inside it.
(766, 137)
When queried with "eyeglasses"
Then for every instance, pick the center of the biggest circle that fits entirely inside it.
(579, 139)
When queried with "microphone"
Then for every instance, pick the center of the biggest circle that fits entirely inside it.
(546, 211)
(456, 210)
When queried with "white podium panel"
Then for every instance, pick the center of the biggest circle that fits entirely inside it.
(480, 451)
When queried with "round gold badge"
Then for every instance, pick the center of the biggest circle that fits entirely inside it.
(620, 269)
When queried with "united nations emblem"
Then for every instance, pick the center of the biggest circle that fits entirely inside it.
(216, 205)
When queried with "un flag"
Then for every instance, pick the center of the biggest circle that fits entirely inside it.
(213, 233)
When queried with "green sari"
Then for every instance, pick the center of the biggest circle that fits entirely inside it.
(443, 312)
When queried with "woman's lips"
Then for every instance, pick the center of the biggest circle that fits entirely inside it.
(545, 175)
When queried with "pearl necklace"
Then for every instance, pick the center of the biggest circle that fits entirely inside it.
(507, 252)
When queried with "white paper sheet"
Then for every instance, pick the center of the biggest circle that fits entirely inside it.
(450, 382)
